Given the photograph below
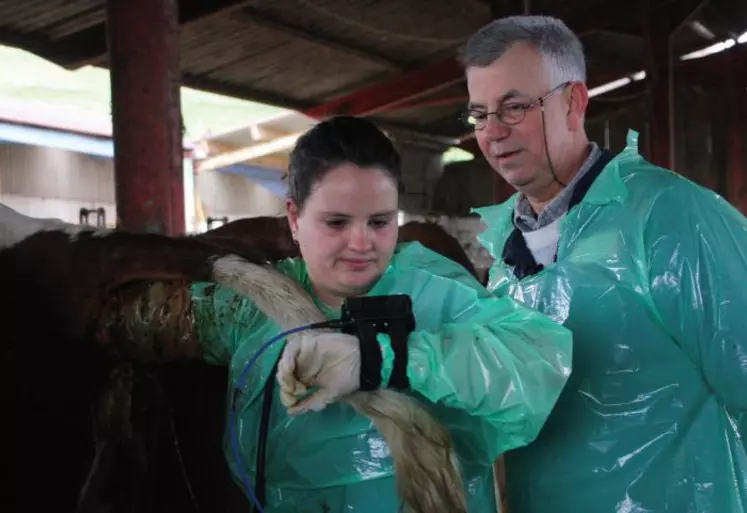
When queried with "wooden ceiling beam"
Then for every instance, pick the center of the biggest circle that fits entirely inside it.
(242, 92)
(386, 94)
(89, 46)
(422, 82)
(27, 42)
(323, 40)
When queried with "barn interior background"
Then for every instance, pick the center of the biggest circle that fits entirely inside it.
(676, 71)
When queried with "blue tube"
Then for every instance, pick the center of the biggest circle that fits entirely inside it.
(238, 389)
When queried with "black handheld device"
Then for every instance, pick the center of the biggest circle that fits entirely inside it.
(367, 316)
(363, 317)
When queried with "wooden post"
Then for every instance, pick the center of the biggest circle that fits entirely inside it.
(143, 38)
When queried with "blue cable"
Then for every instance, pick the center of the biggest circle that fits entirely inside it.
(238, 389)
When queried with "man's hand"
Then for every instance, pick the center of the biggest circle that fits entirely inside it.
(328, 362)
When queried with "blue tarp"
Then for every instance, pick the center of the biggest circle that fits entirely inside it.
(60, 139)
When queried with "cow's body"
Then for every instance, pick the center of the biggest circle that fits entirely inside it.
(104, 422)
(274, 232)
(15, 227)
(90, 409)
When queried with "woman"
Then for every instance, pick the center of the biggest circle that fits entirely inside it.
(488, 369)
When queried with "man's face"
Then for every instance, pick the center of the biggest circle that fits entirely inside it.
(517, 152)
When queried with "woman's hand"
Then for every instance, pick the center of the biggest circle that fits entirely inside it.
(318, 368)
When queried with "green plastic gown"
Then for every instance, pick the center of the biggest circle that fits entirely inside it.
(651, 278)
(491, 368)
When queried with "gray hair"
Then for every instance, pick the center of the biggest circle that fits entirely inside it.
(560, 48)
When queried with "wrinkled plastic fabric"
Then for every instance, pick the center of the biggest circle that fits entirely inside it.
(651, 278)
(493, 369)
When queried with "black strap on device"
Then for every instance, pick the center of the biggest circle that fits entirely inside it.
(363, 317)
(367, 316)
(371, 359)
(398, 333)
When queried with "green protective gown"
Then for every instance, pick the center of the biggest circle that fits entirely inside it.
(490, 369)
(651, 278)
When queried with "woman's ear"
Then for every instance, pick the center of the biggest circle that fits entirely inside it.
(292, 212)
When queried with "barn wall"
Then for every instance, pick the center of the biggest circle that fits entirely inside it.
(700, 118)
(50, 182)
(233, 196)
(464, 185)
(610, 131)
(422, 167)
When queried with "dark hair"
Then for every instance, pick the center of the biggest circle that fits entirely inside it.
(336, 141)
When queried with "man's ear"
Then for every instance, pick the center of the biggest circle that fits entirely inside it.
(577, 105)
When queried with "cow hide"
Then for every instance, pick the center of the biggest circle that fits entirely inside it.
(99, 345)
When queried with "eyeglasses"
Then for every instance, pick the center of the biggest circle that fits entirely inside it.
(508, 113)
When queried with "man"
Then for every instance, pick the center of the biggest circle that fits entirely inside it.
(647, 269)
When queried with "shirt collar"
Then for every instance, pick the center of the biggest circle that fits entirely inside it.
(524, 217)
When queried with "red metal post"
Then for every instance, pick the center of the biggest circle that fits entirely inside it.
(143, 40)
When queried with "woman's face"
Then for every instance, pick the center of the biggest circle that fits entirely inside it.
(347, 230)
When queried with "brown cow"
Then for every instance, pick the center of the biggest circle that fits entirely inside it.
(74, 375)
(274, 232)
(65, 388)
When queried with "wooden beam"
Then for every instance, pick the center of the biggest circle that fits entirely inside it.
(384, 95)
(262, 134)
(324, 40)
(89, 45)
(614, 17)
(76, 21)
(249, 153)
(242, 92)
(501, 8)
(30, 43)
(680, 12)
(419, 83)
(276, 161)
